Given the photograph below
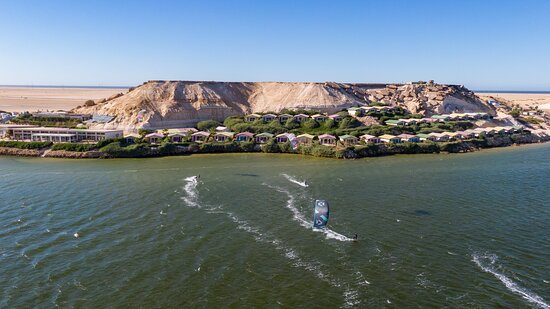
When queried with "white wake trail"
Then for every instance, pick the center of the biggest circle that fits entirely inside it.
(295, 181)
(487, 264)
(298, 216)
(190, 188)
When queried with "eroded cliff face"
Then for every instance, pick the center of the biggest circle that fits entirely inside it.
(168, 104)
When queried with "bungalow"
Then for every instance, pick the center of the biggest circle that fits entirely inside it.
(394, 122)
(348, 139)
(269, 117)
(154, 138)
(464, 134)
(439, 137)
(200, 136)
(335, 117)
(180, 130)
(517, 129)
(222, 129)
(477, 132)
(451, 135)
(252, 117)
(409, 138)
(305, 138)
(319, 117)
(409, 121)
(284, 117)
(368, 109)
(284, 137)
(489, 131)
(388, 138)
(370, 139)
(301, 117)
(244, 137)
(384, 109)
(263, 138)
(425, 137)
(176, 137)
(131, 138)
(441, 117)
(355, 111)
(327, 140)
(222, 137)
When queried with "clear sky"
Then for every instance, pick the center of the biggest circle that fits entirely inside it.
(483, 44)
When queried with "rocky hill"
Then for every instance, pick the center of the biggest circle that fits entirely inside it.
(165, 104)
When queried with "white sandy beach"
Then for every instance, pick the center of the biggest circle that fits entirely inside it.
(542, 100)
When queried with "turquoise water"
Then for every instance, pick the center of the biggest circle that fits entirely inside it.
(467, 230)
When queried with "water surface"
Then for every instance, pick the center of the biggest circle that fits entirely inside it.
(467, 230)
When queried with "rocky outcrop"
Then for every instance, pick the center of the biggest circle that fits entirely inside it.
(9, 151)
(166, 104)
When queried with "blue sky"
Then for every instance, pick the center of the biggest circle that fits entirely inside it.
(481, 44)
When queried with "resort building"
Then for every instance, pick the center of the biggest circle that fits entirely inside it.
(268, 117)
(284, 117)
(319, 117)
(200, 136)
(439, 137)
(425, 137)
(301, 117)
(176, 137)
(368, 109)
(62, 135)
(355, 111)
(348, 139)
(222, 137)
(284, 137)
(244, 137)
(252, 117)
(154, 138)
(263, 138)
(388, 138)
(409, 138)
(7, 129)
(327, 140)
(370, 139)
(335, 117)
(305, 138)
(131, 138)
(394, 122)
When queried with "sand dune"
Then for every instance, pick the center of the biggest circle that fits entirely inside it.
(542, 100)
(18, 99)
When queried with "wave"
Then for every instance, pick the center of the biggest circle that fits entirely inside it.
(296, 181)
(298, 216)
(487, 264)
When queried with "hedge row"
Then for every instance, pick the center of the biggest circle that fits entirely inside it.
(25, 145)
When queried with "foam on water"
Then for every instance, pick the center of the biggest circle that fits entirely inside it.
(298, 216)
(487, 263)
(294, 180)
(190, 188)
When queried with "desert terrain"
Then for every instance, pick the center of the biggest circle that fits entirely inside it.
(19, 99)
(525, 100)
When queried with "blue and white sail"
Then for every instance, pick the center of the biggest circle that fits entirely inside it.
(320, 214)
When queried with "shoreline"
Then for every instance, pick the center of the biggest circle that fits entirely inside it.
(354, 152)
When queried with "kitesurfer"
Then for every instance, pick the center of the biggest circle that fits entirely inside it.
(355, 237)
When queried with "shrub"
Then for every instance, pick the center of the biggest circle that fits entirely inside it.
(89, 103)
(310, 124)
(116, 149)
(291, 124)
(207, 125)
(271, 147)
(74, 147)
(25, 145)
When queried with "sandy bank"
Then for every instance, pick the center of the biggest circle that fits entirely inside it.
(18, 99)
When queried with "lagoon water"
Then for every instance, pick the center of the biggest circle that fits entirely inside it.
(466, 230)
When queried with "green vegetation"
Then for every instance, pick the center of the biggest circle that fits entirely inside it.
(77, 147)
(207, 125)
(532, 120)
(25, 145)
(46, 121)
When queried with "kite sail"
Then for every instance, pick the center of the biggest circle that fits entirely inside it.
(320, 214)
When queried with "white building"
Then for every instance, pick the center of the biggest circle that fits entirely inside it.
(61, 135)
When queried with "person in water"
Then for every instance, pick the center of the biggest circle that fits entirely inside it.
(355, 237)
